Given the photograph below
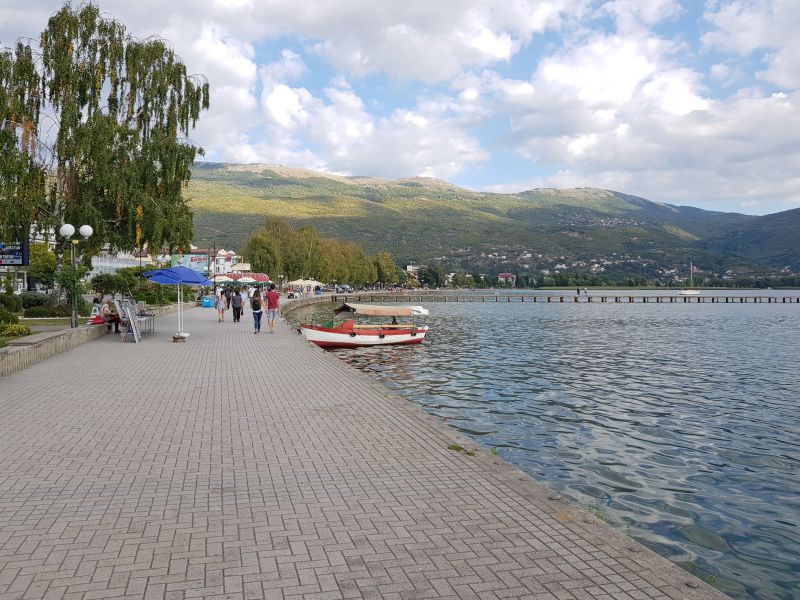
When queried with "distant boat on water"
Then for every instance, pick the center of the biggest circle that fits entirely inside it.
(691, 291)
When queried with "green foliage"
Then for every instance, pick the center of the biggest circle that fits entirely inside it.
(124, 108)
(431, 276)
(33, 299)
(7, 317)
(71, 279)
(15, 330)
(107, 283)
(42, 265)
(22, 178)
(460, 448)
(280, 249)
(11, 302)
(385, 269)
(8, 285)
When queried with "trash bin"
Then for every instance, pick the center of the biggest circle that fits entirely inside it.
(208, 302)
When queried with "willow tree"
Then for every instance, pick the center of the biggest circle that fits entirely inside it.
(22, 177)
(123, 110)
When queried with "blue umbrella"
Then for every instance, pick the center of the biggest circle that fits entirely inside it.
(177, 276)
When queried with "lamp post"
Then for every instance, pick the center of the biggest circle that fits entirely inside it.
(67, 231)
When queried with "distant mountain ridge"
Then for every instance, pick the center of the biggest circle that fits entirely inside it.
(426, 219)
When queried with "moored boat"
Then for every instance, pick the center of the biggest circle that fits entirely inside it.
(691, 291)
(349, 334)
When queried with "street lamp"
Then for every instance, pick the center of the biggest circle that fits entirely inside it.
(67, 231)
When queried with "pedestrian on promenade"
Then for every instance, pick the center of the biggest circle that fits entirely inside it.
(221, 308)
(236, 304)
(273, 306)
(228, 294)
(258, 311)
(245, 298)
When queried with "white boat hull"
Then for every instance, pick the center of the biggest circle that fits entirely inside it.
(329, 338)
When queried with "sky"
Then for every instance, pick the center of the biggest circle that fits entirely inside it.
(689, 102)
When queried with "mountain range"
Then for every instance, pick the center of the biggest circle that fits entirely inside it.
(423, 220)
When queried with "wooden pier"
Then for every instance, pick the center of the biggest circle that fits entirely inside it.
(621, 298)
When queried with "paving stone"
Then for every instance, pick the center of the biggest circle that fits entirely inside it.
(257, 466)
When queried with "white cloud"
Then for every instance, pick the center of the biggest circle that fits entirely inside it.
(635, 15)
(744, 27)
(605, 71)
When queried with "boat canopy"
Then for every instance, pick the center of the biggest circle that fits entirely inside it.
(378, 310)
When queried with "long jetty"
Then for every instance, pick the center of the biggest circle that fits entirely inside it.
(584, 298)
(244, 466)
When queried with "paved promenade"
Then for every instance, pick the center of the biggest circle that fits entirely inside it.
(256, 466)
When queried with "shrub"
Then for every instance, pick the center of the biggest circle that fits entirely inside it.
(11, 302)
(84, 308)
(48, 311)
(15, 330)
(33, 299)
(7, 317)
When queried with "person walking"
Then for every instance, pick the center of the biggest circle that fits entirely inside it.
(258, 311)
(221, 305)
(245, 298)
(273, 306)
(236, 304)
(227, 292)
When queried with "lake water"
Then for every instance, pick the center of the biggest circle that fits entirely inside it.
(678, 423)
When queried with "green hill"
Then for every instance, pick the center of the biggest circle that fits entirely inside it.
(423, 219)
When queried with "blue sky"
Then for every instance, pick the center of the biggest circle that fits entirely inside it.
(685, 102)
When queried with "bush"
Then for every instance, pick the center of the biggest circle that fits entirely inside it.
(11, 302)
(39, 312)
(15, 330)
(33, 299)
(7, 317)
(84, 308)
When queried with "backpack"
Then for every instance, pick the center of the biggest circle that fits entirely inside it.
(255, 304)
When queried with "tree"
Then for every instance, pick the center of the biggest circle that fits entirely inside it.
(42, 265)
(120, 158)
(430, 276)
(281, 249)
(385, 268)
(261, 251)
(22, 179)
(107, 283)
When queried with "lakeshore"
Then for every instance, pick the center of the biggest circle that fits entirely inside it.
(245, 466)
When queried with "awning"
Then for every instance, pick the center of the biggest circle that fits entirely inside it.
(378, 310)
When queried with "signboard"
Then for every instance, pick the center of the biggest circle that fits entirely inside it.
(14, 255)
(195, 262)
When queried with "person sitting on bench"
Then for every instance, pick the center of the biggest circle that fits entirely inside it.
(110, 315)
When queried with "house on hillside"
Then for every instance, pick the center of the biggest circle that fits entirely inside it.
(225, 261)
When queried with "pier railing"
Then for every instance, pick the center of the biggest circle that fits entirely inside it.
(409, 298)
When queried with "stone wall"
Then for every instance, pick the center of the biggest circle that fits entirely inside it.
(27, 351)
